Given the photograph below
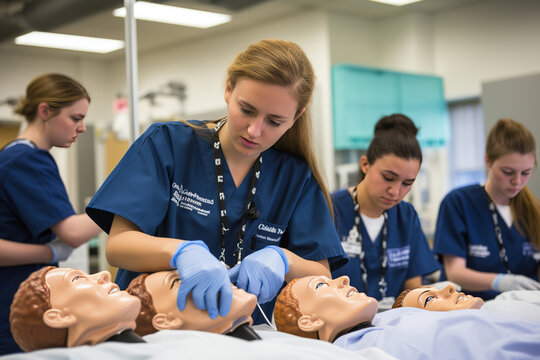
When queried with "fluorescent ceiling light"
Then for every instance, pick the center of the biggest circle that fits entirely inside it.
(174, 15)
(69, 42)
(397, 2)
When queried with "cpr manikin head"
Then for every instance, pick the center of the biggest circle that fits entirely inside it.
(318, 307)
(159, 311)
(57, 307)
(431, 298)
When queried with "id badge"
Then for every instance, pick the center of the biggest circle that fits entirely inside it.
(352, 248)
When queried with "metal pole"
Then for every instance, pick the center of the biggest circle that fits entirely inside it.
(130, 29)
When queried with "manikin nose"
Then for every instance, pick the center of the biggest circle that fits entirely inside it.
(342, 281)
(102, 277)
(449, 289)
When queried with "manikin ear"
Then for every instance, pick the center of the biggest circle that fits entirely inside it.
(59, 319)
(43, 110)
(166, 322)
(228, 90)
(308, 324)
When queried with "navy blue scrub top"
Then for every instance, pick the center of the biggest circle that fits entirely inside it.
(407, 250)
(166, 185)
(465, 229)
(32, 199)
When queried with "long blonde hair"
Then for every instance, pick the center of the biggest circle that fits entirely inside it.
(509, 136)
(284, 63)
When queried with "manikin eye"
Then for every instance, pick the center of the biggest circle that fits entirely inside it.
(321, 284)
(428, 299)
(174, 282)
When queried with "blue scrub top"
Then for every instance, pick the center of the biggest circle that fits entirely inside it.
(32, 199)
(407, 250)
(166, 185)
(465, 229)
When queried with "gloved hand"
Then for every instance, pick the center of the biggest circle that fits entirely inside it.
(204, 276)
(507, 282)
(60, 250)
(261, 273)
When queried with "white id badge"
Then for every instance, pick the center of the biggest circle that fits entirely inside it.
(352, 248)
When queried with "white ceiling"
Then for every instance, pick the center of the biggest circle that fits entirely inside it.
(155, 35)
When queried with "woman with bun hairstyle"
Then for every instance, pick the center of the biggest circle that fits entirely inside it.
(381, 234)
(36, 216)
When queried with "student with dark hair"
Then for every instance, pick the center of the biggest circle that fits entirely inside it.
(489, 236)
(381, 233)
(36, 215)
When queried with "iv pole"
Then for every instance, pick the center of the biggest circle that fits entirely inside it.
(131, 68)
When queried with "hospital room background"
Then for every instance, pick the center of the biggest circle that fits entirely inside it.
(454, 66)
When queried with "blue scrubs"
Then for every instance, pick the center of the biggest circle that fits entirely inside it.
(407, 250)
(166, 185)
(32, 199)
(465, 229)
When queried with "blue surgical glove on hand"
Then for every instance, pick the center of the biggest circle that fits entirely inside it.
(508, 282)
(60, 250)
(204, 276)
(261, 273)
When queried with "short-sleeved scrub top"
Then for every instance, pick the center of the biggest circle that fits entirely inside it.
(465, 229)
(408, 253)
(166, 185)
(32, 199)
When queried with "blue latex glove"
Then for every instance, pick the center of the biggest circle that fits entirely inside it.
(204, 276)
(261, 273)
(60, 250)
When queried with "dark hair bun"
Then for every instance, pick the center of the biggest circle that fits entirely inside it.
(396, 122)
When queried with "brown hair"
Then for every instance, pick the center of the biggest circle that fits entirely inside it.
(284, 63)
(137, 287)
(393, 134)
(508, 136)
(30, 302)
(399, 300)
(57, 90)
(287, 312)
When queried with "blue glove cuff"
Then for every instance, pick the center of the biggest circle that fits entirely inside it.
(496, 281)
(54, 259)
(181, 247)
(282, 254)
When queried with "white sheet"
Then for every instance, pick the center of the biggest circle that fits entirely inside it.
(196, 345)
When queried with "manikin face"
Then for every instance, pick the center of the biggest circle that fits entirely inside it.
(63, 128)
(259, 114)
(509, 174)
(331, 306)
(163, 287)
(387, 180)
(90, 306)
(441, 300)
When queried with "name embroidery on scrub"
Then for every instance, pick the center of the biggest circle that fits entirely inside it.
(399, 257)
(269, 232)
(480, 251)
(529, 250)
(189, 200)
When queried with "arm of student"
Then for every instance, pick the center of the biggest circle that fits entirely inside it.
(300, 267)
(412, 283)
(130, 248)
(76, 230)
(457, 271)
(13, 253)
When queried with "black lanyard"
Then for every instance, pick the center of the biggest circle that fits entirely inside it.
(224, 219)
(356, 234)
(498, 232)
